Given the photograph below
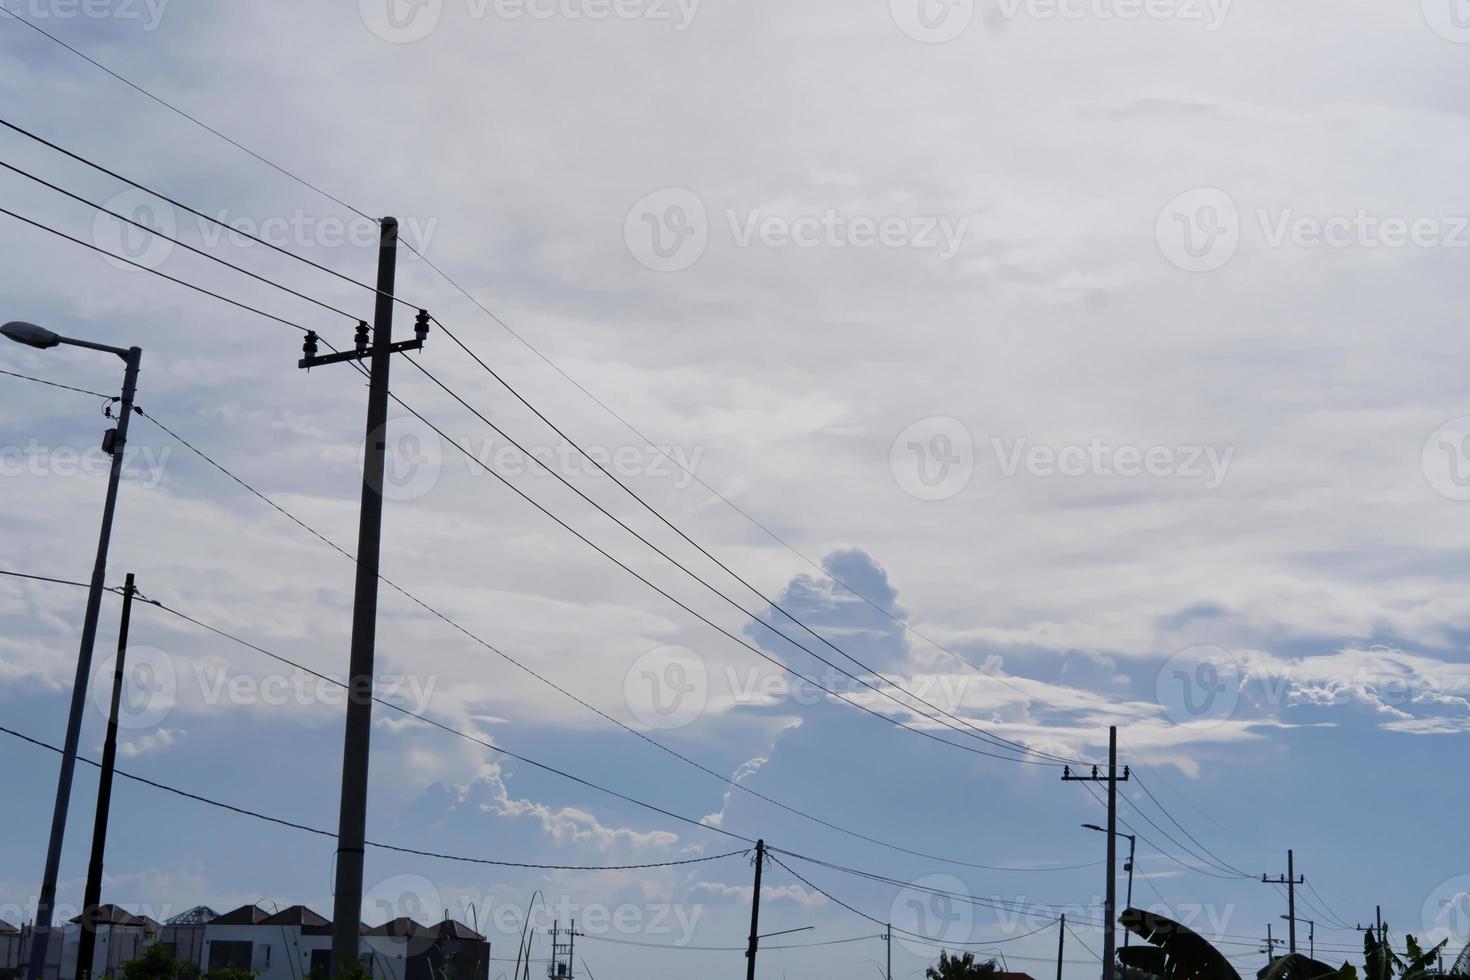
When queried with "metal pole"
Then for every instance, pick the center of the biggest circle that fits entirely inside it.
(352, 818)
(1132, 844)
(889, 936)
(1110, 907)
(1291, 902)
(755, 911)
(92, 897)
(46, 900)
(1061, 944)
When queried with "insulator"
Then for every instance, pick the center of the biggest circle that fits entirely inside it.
(362, 335)
(421, 326)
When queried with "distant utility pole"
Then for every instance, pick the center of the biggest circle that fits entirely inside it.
(1110, 903)
(556, 969)
(92, 895)
(1271, 944)
(888, 938)
(1290, 880)
(1061, 944)
(352, 817)
(755, 911)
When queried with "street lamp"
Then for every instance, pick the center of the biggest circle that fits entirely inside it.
(1311, 932)
(1128, 867)
(112, 442)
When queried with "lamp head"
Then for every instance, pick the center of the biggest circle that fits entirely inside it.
(30, 334)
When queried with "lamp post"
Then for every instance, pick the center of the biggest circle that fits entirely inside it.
(1128, 867)
(113, 443)
(1311, 933)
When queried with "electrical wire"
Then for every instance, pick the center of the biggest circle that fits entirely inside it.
(164, 275)
(173, 108)
(57, 384)
(169, 238)
(554, 686)
(988, 736)
(712, 588)
(306, 828)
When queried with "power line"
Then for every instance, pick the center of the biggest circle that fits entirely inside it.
(255, 814)
(1218, 861)
(173, 108)
(156, 272)
(184, 207)
(659, 745)
(57, 384)
(169, 238)
(692, 574)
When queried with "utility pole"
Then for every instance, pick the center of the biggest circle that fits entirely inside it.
(1110, 903)
(755, 911)
(888, 938)
(92, 896)
(352, 817)
(114, 442)
(1271, 944)
(1290, 881)
(1061, 944)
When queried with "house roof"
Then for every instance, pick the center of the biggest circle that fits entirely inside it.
(404, 928)
(245, 915)
(451, 929)
(111, 915)
(6, 928)
(296, 915)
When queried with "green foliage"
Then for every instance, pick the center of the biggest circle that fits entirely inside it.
(1186, 954)
(1295, 966)
(961, 968)
(156, 962)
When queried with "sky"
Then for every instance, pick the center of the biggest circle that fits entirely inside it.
(1069, 363)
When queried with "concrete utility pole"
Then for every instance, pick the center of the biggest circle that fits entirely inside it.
(1290, 880)
(1110, 903)
(113, 443)
(1061, 944)
(352, 817)
(92, 896)
(888, 938)
(755, 911)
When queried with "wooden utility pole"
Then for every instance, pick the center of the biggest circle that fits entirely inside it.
(755, 911)
(1290, 880)
(1110, 902)
(1061, 944)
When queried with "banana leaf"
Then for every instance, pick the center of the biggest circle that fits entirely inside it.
(1295, 966)
(1186, 954)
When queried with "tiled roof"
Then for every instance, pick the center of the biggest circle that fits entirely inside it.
(296, 915)
(450, 929)
(402, 927)
(111, 915)
(245, 915)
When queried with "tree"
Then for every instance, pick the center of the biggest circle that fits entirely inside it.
(157, 962)
(961, 968)
(1176, 951)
